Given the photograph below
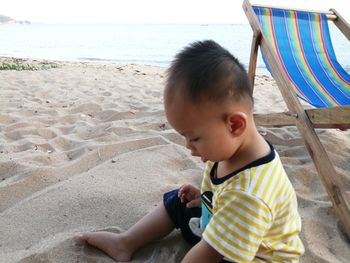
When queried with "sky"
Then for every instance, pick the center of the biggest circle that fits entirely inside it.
(150, 11)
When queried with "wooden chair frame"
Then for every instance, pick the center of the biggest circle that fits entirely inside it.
(305, 120)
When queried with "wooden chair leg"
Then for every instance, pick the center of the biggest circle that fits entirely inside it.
(253, 57)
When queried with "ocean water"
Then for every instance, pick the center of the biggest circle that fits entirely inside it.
(138, 44)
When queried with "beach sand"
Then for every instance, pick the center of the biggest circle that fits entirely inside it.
(86, 147)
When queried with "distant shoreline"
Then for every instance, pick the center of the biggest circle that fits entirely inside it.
(96, 61)
(37, 61)
(9, 20)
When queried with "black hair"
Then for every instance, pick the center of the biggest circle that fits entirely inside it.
(206, 70)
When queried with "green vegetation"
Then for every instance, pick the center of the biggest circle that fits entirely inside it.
(22, 64)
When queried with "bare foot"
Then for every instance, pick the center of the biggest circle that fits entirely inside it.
(115, 245)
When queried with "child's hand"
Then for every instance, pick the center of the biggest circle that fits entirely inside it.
(191, 194)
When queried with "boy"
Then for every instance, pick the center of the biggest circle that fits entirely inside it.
(246, 204)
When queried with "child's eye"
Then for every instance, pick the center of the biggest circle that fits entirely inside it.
(194, 140)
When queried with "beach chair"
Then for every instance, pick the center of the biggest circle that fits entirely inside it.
(297, 50)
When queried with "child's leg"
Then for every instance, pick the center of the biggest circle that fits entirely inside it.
(153, 226)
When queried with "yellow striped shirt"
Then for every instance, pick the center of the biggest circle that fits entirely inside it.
(251, 215)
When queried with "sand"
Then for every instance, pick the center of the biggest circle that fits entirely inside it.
(87, 147)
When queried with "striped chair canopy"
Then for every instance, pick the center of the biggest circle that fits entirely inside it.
(303, 45)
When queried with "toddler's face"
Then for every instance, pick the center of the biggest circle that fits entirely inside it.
(205, 129)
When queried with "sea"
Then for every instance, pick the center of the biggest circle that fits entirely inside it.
(147, 44)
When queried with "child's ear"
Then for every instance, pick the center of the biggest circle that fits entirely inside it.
(237, 123)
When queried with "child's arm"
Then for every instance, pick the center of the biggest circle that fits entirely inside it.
(202, 252)
(191, 194)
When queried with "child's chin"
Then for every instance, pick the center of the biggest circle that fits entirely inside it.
(204, 160)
